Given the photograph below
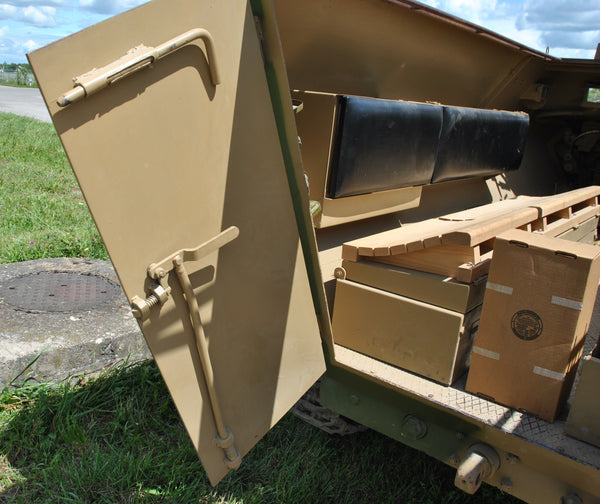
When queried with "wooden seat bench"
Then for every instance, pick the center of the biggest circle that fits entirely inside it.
(460, 245)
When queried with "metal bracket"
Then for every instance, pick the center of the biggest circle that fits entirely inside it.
(158, 271)
(160, 291)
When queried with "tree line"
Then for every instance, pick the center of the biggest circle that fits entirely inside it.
(13, 67)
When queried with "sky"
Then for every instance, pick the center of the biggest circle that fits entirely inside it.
(568, 28)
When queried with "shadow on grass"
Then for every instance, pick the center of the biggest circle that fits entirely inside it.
(118, 439)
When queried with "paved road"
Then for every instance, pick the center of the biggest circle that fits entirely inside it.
(23, 101)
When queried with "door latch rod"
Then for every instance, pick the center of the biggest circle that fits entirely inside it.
(136, 59)
(159, 271)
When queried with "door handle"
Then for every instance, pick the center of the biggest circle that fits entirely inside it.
(137, 58)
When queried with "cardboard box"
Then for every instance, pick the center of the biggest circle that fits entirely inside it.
(536, 312)
(422, 338)
(584, 417)
(437, 290)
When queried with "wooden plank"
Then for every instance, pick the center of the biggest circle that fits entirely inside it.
(584, 232)
(428, 233)
(470, 272)
(471, 227)
(436, 231)
(438, 290)
(586, 203)
(368, 245)
(350, 252)
(549, 208)
(580, 227)
(442, 260)
(561, 225)
(552, 204)
(412, 236)
(390, 242)
(483, 211)
(484, 229)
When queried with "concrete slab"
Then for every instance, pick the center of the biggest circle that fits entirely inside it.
(40, 343)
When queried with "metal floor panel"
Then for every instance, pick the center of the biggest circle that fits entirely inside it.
(532, 429)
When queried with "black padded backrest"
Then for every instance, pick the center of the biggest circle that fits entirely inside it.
(478, 142)
(382, 145)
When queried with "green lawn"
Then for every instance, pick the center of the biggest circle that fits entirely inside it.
(42, 211)
(118, 438)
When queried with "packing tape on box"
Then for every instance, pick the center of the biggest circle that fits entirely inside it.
(486, 353)
(567, 303)
(503, 289)
(548, 373)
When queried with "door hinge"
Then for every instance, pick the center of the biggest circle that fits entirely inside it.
(259, 30)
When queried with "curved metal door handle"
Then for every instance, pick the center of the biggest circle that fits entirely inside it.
(136, 59)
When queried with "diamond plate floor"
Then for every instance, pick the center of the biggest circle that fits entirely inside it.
(455, 399)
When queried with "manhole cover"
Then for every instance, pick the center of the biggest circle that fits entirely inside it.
(54, 291)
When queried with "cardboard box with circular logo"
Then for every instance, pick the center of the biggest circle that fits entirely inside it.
(536, 312)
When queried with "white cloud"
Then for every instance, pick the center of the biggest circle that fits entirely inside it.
(30, 45)
(571, 40)
(572, 53)
(109, 6)
(42, 3)
(42, 17)
(570, 28)
(7, 45)
(473, 10)
(508, 28)
(578, 15)
(7, 11)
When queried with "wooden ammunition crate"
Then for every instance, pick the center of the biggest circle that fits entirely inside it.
(420, 337)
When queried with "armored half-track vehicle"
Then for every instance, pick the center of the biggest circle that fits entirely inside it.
(351, 190)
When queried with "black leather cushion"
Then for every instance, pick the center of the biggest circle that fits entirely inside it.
(477, 142)
(382, 145)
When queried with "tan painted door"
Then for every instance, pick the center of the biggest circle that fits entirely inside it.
(169, 157)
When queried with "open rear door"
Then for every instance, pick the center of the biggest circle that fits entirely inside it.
(171, 133)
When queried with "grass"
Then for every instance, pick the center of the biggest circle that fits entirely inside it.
(42, 211)
(118, 438)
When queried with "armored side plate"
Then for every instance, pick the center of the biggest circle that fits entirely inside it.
(172, 136)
